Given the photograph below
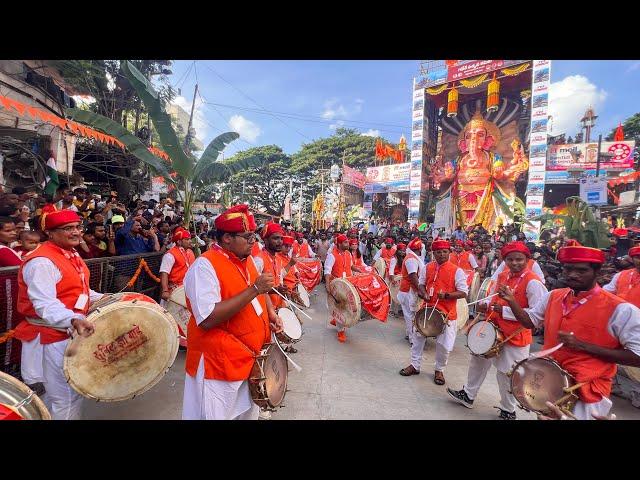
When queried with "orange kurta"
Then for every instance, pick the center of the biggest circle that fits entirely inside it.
(68, 289)
(229, 348)
(342, 265)
(274, 266)
(184, 259)
(589, 323)
(290, 279)
(628, 286)
(518, 284)
(442, 278)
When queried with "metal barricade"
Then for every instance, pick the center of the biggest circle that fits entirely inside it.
(107, 275)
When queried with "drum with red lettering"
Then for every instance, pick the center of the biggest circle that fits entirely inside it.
(134, 344)
(19, 402)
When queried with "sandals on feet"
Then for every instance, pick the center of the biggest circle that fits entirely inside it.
(408, 371)
(438, 378)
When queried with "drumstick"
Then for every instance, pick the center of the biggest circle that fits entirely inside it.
(295, 365)
(291, 303)
(482, 299)
(424, 323)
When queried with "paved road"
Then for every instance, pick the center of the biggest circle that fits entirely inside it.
(357, 380)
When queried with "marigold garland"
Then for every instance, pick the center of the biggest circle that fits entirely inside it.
(473, 82)
(6, 336)
(437, 90)
(143, 264)
(513, 71)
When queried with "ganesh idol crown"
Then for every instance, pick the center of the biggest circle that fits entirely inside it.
(480, 183)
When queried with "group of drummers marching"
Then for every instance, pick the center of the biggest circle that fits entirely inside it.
(238, 321)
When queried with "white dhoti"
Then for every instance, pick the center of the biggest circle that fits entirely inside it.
(63, 401)
(444, 345)
(407, 304)
(504, 362)
(31, 361)
(217, 399)
(585, 411)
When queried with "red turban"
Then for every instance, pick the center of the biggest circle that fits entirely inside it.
(635, 251)
(511, 247)
(620, 232)
(440, 245)
(572, 243)
(415, 244)
(402, 247)
(270, 229)
(341, 238)
(236, 220)
(580, 254)
(459, 243)
(388, 240)
(287, 240)
(181, 234)
(353, 241)
(61, 217)
(469, 243)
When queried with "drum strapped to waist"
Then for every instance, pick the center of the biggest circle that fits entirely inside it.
(474, 288)
(177, 307)
(430, 321)
(300, 296)
(485, 339)
(535, 381)
(135, 342)
(19, 402)
(268, 377)
(345, 306)
(380, 266)
(291, 328)
(394, 286)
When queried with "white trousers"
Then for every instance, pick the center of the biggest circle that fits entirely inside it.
(31, 361)
(479, 367)
(216, 399)
(585, 411)
(405, 301)
(444, 346)
(65, 403)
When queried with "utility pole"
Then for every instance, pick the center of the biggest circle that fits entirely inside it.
(300, 209)
(187, 139)
(598, 156)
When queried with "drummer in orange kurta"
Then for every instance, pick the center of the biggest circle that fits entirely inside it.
(176, 262)
(626, 284)
(339, 264)
(301, 248)
(54, 296)
(268, 260)
(597, 330)
(231, 319)
(464, 259)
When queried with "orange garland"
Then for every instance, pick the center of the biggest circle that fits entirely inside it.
(143, 264)
(6, 336)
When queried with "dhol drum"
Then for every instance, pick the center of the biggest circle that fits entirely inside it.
(485, 287)
(430, 321)
(485, 339)
(462, 309)
(345, 306)
(268, 378)
(19, 402)
(291, 328)
(394, 287)
(177, 307)
(380, 266)
(536, 381)
(474, 288)
(301, 296)
(134, 344)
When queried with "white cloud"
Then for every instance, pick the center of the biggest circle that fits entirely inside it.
(199, 121)
(371, 133)
(633, 66)
(339, 123)
(569, 99)
(334, 110)
(246, 128)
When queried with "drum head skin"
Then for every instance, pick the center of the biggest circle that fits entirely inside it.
(304, 295)
(290, 324)
(346, 308)
(268, 379)
(483, 291)
(536, 381)
(177, 308)
(134, 343)
(462, 309)
(481, 337)
(13, 392)
(435, 322)
(380, 266)
(474, 287)
(394, 287)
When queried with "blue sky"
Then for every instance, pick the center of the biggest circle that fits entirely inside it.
(372, 96)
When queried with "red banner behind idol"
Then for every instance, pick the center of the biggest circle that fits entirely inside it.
(374, 294)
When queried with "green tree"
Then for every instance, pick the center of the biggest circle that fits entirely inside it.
(267, 186)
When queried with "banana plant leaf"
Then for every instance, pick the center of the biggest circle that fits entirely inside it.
(505, 208)
(212, 152)
(182, 163)
(216, 172)
(133, 143)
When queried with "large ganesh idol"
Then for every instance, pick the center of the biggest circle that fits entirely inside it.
(480, 181)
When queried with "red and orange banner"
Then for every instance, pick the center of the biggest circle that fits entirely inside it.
(387, 151)
(75, 128)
